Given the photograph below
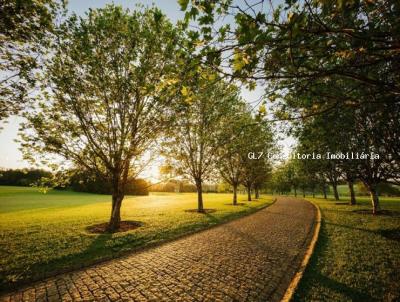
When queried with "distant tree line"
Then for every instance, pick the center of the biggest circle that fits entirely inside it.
(21, 177)
(78, 181)
(84, 181)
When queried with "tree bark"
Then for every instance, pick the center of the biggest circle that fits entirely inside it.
(324, 190)
(199, 187)
(248, 192)
(256, 193)
(115, 219)
(335, 191)
(235, 194)
(352, 194)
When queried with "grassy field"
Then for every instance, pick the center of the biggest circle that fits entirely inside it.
(357, 257)
(45, 233)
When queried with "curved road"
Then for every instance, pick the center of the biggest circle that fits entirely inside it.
(250, 259)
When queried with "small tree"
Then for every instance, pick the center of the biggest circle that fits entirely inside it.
(195, 137)
(101, 107)
(259, 142)
(233, 144)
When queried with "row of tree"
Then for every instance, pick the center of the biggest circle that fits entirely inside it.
(116, 84)
(329, 67)
(22, 177)
(297, 177)
(214, 135)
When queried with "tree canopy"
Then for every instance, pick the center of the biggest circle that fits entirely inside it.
(102, 104)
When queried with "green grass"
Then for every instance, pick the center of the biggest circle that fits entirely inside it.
(41, 234)
(353, 260)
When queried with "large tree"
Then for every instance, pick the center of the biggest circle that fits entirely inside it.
(102, 103)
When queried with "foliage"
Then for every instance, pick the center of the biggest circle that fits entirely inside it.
(84, 181)
(197, 132)
(260, 140)
(304, 48)
(26, 27)
(366, 132)
(22, 177)
(243, 134)
(326, 65)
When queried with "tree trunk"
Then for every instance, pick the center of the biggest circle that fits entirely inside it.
(324, 190)
(248, 192)
(235, 194)
(304, 193)
(256, 193)
(335, 191)
(295, 191)
(115, 219)
(374, 199)
(199, 187)
(352, 194)
(313, 193)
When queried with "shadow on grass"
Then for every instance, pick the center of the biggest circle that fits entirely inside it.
(98, 250)
(392, 234)
(205, 211)
(350, 227)
(313, 278)
(380, 213)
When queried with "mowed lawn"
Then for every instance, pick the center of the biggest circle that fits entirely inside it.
(357, 257)
(41, 234)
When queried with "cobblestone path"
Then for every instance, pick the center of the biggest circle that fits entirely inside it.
(250, 259)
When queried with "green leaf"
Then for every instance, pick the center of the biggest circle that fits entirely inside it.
(183, 4)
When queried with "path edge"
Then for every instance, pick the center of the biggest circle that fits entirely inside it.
(300, 272)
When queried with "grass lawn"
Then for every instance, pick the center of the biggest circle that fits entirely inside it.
(356, 257)
(41, 234)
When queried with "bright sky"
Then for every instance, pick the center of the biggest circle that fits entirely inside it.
(11, 157)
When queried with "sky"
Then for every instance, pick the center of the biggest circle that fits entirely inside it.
(11, 156)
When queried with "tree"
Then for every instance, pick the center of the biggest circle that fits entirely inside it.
(280, 181)
(195, 137)
(366, 137)
(372, 136)
(102, 106)
(233, 144)
(25, 31)
(291, 169)
(303, 44)
(320, 135)
(256, 164)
